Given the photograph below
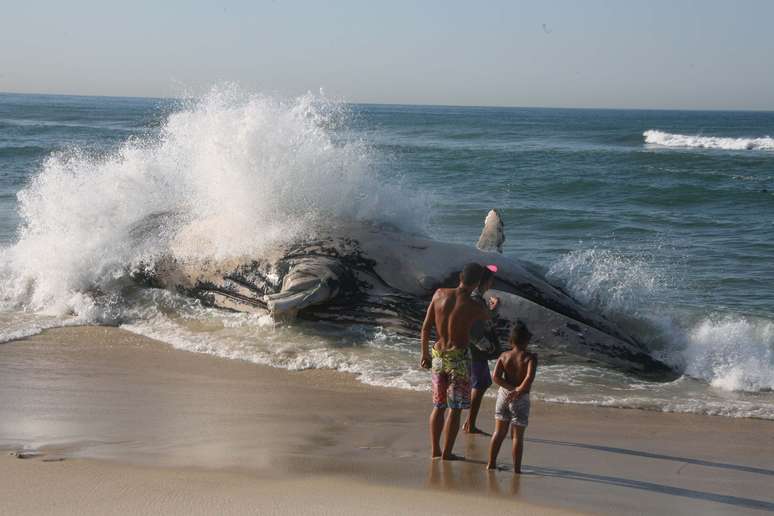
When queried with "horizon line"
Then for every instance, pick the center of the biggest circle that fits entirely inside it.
(403, 104)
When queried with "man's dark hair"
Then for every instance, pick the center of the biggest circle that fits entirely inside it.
(520, 333)
(471, 274)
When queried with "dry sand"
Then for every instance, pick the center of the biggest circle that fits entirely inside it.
(142, 428)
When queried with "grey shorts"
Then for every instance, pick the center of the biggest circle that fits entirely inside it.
(517, 411)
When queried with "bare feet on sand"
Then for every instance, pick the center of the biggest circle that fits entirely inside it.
(495, 467)
(468, 430)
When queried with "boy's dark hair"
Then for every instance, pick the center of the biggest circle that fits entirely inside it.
(519, 333)
(471, 274)
(486, 275)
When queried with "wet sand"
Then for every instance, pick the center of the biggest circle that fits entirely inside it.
(122, 423)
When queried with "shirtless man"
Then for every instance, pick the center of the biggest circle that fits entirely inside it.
(514, 373)
(452, 312)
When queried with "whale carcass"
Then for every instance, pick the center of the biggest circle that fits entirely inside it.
(367, 273)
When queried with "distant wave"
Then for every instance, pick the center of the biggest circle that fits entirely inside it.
(664, 139)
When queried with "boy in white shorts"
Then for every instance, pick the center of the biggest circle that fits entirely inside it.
(514, 373)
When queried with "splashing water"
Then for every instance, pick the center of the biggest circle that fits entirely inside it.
(731, 353)
(239, 172)
(609, 281)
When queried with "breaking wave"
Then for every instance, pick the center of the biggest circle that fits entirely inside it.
(731, 352)
(664, 139)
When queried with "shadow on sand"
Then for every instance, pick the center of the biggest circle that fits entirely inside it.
(648, 455)
(736, 501)
(471, 475)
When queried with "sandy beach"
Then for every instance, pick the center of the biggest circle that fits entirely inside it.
(109, 422)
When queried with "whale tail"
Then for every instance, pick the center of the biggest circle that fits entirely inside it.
(493, 234)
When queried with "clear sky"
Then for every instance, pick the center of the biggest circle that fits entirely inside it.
(639, 54)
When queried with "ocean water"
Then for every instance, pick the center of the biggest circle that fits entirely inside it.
(662, 220)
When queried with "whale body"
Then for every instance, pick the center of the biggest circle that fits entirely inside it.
(376, 274)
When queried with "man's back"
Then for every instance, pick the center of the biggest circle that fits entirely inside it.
(455, 312)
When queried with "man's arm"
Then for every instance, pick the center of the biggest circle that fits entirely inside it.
(427, 326)
(494, 305)
(490, 312)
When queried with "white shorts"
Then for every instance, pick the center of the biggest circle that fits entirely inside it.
(517, 411)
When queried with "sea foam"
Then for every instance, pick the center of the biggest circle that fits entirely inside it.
(664, 139)
(732, 353)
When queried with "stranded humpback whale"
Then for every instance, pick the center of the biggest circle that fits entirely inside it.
(365, 273)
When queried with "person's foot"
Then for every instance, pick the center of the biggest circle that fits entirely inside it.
(472, 429)
(491, 467)
(451, 456)
(475, 430)
(436, 455)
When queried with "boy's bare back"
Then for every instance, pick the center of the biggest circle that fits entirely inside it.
(515, 365)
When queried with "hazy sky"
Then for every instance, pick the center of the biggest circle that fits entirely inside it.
(642, 54)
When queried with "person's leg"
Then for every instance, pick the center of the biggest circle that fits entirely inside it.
(436, 427)
(520, 410)
(499, 435)
(440, 398)
(450, 430)
(518, 447)
(479, 374)
(475, 405)
(476, 397)
(459, 400)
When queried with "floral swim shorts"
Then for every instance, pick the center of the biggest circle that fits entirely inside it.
(451, 378)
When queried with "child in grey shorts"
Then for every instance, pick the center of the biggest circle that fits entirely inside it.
(514, 373)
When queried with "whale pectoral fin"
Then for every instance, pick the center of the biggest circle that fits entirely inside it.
(288, 302)
(493, 234)
(308, 283)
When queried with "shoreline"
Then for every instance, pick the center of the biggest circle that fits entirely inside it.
(107, 400)
(357, 377)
